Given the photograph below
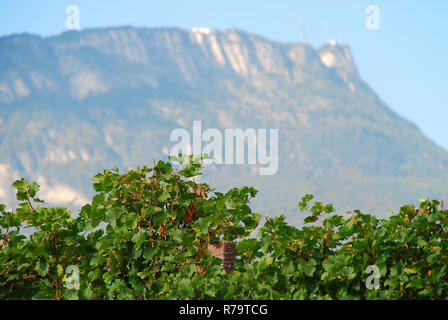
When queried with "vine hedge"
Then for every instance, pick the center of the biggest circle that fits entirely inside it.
(145, 234)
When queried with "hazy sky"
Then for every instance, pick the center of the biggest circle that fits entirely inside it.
(405, 61)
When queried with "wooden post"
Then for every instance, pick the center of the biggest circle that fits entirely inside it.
(224, 250)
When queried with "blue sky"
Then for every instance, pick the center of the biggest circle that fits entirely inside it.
(405, 61)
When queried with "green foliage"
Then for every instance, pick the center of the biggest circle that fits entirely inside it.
(145, 235)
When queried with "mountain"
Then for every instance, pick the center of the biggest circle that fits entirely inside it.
(76, 103)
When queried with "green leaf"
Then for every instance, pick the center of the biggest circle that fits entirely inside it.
(159, 218)
(176, 235)
(111, 218)
(310, 267)
(185, 289)
(107, 277)
(164, 196)
(210, 290)
(138, 239)
(431, 259)
(410, 270)
(42, 267)
(148, 252)
(424, 293)
(131, 220)
(201, 226)
(303, 205)
(288, 266)
(264, 263)
(59, 270)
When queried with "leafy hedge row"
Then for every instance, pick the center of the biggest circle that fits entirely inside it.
(145, 236)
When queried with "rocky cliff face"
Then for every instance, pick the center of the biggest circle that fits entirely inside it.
(97, 61)
(76, 103)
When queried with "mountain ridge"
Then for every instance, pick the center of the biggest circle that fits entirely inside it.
(84, 101)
